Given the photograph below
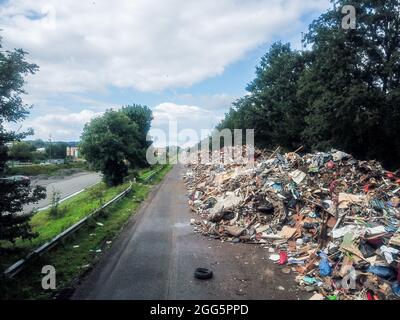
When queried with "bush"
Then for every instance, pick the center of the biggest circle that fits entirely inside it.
(55, 211)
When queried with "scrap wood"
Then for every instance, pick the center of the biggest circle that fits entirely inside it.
(274, 153)
(309, 214)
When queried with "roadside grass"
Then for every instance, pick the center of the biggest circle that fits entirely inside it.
(157, 178)
(50, 169)
(147, 172)
(48, 226)
(79, 252)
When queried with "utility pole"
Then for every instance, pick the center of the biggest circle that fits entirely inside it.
(50, 148)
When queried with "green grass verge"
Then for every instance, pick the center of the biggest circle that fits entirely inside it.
(156, 178)
(50, 169)
(78, 253)
(48, 226)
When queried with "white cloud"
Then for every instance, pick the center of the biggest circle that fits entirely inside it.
(187, 119)
(62, 127)
(68, 126)
(148, 45)
(87, 46)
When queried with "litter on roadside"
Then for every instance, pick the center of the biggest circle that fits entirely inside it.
(327, 216)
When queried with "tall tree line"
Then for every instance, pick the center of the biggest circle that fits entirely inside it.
(343, 91)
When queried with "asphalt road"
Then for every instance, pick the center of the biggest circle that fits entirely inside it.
(67, 186)
(157, 253)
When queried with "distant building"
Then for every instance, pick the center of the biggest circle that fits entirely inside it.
(73, 152)
(41, 150)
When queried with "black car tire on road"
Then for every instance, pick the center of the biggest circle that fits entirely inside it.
(203, 273)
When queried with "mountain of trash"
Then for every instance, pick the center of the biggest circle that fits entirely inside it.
(329, 218)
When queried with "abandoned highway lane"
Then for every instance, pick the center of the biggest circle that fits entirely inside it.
(157, 253)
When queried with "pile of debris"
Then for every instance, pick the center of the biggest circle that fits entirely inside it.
(328, 217)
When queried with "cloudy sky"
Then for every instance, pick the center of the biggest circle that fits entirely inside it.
(186, 59)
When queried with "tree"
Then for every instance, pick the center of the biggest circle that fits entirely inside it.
(38, 143)
(343, 92)
(109, 142)
(21, 151)
(352, 86)
(57, 150)
(14, 193)
(142, 116)
(278, 110)
(272, 107)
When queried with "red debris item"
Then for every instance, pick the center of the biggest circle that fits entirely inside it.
(390, 175)
(283, 258)
(330, 164)
(366, 188)
(398, 181)
(371, 295)
(333, 186)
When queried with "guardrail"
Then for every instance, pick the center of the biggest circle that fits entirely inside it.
(20, 264)
(148, 178)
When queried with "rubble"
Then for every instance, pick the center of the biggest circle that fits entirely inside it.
(331, 219)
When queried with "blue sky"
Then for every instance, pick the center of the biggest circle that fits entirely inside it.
(187, 60)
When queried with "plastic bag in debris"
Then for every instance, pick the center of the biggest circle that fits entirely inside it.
(310, 280)
(324, 267)
(384, 272)
(283, 258)
(340, 155)
(388, 253)
(396, 288)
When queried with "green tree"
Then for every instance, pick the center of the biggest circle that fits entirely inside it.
(14, 193)
(109, 143)
(272, 108)
(21, 151)
(352, 86)
(142, 116)
(278, 112)
(57, 150)
(343, 92)
(38, 143)
(242, 115)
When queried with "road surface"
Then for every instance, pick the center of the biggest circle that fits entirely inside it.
(157, 253)
(67, 186)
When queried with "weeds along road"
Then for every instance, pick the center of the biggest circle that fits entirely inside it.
(157, 253)
(66, 185)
